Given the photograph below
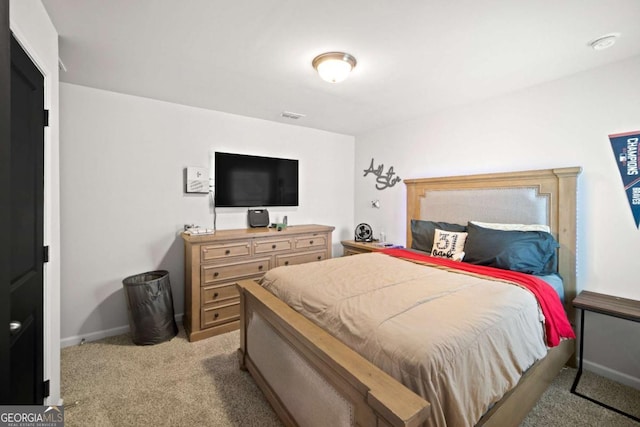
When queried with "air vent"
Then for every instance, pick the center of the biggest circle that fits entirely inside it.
(290, 115)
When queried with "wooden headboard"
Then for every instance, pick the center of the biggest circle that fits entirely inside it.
(545, 196)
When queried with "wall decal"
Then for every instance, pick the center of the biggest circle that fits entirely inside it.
(625, 150)
(383, 180)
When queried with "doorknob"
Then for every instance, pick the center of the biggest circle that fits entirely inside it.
(14, 327)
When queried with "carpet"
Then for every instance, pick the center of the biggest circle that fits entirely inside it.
(112, 382)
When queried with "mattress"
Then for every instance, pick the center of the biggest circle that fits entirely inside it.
(460, 341)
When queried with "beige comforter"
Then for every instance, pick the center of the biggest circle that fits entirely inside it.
(457, 340)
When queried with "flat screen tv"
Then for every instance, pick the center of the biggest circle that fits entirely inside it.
(253, 181)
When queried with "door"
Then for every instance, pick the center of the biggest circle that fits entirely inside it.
(25, 230)
(5, 138)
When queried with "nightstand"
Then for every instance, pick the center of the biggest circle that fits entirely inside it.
(351, 247)
(622, 308)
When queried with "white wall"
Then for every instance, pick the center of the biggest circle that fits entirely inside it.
(561, 123)
(33, 29)
(122, 159)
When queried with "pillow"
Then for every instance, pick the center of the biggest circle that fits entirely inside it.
(531, 252)
(422, 233)
(514, 227)
(552, 265)
(448, 244)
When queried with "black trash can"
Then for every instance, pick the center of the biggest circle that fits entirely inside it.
(150, 307)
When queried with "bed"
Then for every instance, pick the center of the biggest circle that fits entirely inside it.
(311, 377)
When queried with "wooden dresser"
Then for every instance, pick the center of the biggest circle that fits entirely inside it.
(213, 264)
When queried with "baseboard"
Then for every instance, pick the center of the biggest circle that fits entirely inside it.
(613, 375)
(48, 402)
(94, 336)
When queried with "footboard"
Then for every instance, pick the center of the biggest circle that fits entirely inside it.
(312, 379)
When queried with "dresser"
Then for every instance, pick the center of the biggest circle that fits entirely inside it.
(213, 264)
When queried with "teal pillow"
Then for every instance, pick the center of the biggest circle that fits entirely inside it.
(531, 252)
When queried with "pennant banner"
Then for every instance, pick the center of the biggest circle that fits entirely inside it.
(625, 150)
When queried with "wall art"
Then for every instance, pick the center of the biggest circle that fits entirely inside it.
(625, 150)
(383, 180)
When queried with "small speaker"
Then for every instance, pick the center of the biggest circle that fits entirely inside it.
(258, 217)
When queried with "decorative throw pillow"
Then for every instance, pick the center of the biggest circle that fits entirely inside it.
(531, 252)
(422, 233)
(448, 244)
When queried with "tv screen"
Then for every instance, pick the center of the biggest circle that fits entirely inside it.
(253, 181)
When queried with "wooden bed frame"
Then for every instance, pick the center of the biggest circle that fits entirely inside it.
(370, 396)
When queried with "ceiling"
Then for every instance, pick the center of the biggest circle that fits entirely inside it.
(415, 57)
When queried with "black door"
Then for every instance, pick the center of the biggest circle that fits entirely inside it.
(5, 138)
(25, 230)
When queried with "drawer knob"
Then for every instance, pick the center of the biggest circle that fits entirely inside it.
(311, 242)
(227, 252)
(216, 274)
(215, 315)
(319, 257)
(286, 263)
(215, 295)
(259, 267)
(273, 246)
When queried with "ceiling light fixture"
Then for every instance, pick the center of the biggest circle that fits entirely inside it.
(604, 42)
(334, 67)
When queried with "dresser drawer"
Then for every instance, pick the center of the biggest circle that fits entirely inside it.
(225, 250)
(311, 241)
(220, 314)
(302, 258)
(218, 294)
(212, 274)
(268, 246)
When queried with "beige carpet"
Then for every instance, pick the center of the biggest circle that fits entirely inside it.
(113, 382)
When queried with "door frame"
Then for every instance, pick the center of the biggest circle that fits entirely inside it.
(51, 269)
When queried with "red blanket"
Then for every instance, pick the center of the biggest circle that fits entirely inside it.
(556, 323)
